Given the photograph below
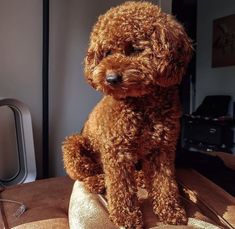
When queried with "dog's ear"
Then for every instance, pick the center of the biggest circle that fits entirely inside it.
(94, 52)
(91, 60)
(172, 52)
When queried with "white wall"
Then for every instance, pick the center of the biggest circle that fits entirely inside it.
(211, 81)
(71, 98)
(21, 59)
(166, 5)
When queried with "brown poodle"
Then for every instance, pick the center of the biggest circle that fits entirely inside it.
(137, 56)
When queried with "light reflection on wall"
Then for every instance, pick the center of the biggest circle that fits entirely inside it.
(9, 159)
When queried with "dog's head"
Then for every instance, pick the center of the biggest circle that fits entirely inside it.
(134, 47)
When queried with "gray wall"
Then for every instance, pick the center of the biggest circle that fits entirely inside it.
(211, 81)
(20, 60)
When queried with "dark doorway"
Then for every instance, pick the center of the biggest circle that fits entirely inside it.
(186, 12)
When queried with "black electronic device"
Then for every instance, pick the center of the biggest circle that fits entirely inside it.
(210, 126)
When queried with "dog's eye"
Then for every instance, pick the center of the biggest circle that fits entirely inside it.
(132, 50)
(108, 53)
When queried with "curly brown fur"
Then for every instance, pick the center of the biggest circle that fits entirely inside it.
(136, 124)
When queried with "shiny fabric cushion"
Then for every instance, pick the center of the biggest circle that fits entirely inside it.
(86, 211)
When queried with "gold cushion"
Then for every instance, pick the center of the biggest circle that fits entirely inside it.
(87, 212)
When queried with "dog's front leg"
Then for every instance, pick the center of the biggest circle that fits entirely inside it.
(121, 190)
(163, 188)
(80, 166)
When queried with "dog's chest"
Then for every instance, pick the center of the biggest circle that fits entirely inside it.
(138, 127)
(151, 131)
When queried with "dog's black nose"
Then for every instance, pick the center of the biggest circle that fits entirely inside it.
(113, 78)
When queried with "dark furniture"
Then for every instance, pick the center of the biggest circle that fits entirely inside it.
(209, 128)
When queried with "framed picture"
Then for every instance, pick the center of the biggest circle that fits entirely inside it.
(223, 46)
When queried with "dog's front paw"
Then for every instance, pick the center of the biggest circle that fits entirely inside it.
(171, 213)
(95, 184)
(127, 220)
